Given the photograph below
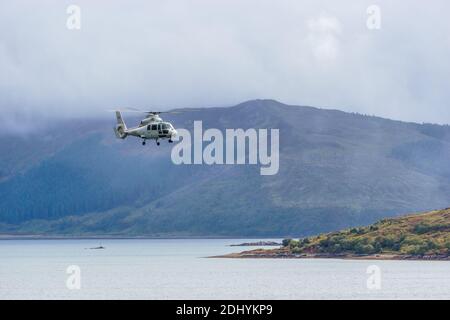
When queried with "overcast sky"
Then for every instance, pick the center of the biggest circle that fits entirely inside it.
(165, 54)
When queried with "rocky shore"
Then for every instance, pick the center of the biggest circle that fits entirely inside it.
(257, 244)
(285, 254)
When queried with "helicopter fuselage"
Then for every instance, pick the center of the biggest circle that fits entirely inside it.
(152, 127)
(153, 130)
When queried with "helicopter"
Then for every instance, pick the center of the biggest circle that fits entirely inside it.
(152, 127)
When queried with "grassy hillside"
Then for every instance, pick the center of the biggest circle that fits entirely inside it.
(418, 234)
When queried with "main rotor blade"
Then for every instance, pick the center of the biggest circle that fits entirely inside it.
(182, 111)
(128, 109)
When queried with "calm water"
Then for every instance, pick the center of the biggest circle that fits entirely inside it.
(177, 269)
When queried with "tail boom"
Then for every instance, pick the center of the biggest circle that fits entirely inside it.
(121, 128)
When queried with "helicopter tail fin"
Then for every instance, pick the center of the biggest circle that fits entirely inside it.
(121, 128)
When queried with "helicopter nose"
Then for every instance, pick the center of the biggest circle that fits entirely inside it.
(174, 132)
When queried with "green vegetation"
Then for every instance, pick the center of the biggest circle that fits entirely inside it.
(421, 234)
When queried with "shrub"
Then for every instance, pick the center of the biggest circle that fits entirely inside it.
(294, 244)
(337, 248)
(387, 242)
(377, 248)
(325, 243)
(286, 242)
(305, 241)
(417, 250)
(424, 228)
(296, 250)
(413, 240)
(431, 245)
(421, 228)
(364, 248)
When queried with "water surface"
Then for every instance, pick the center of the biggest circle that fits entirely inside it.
(178, 269)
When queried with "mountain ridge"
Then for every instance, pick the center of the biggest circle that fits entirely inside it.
(337, 169)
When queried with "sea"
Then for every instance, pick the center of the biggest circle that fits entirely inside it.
(183, 269)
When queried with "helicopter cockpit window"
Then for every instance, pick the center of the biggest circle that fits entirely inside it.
(154, 127)
(165, 126)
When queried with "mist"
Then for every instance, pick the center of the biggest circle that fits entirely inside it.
(169, 54)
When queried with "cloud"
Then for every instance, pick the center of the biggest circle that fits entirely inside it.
(172, 53)
(323, 37)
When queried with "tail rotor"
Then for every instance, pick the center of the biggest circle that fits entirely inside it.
(121, 128)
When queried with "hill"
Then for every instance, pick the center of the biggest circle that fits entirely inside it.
(336, 170)
(418, 236)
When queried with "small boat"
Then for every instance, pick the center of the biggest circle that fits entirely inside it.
(97, 248)
(100, 247)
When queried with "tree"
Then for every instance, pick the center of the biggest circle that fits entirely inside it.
(286, 242)
(305, 241)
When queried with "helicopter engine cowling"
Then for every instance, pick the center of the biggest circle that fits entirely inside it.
(151, 118)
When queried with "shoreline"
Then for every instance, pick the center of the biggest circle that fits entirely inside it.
(380, 257)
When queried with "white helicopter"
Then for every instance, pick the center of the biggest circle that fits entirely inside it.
(151, 127)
